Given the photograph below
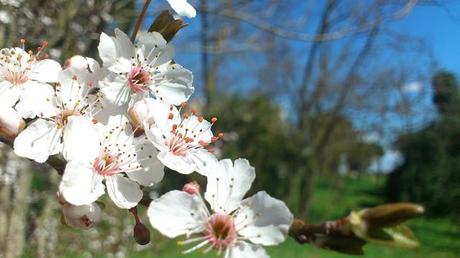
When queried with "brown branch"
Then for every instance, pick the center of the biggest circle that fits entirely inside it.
(293, 35)
(140, 19)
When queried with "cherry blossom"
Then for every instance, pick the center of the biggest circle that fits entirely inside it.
(55, 107)
(142, 68)
(182, 142)
(233, 227)
(116, 158)
(23, 74)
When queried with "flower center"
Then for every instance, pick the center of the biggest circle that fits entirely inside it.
(106, 164)
(138, 79)
(221, 231)
(16, 77)
(178, 145)
(62, 118)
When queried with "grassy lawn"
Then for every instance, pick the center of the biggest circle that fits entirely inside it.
(439, 237)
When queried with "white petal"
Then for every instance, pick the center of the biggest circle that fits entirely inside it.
(81, 141)
(152, 170)
(36, 100)
(183, 8)
(80, 185)
(125, 47)
(45, 71)
(115, 90)
(263, 219)
(204, 160)
(228, 183)
(155, 135)
(177, 213)
(107, 49)
(181, 164)
(174, 86)
(246, 250)
(123, 192)
(82, 216)
(9, 93)
(38, 141)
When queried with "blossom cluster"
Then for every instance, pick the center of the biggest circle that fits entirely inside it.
(117, 124)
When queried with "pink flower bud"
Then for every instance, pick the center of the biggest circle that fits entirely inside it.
(192, 188)
(11, 123)
(83, 216)
(139, 113)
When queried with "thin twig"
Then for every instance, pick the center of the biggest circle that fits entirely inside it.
(140, 19)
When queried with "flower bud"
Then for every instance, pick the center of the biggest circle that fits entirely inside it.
(11, 123)
(139, 113)
(391, 214)
(192, 188)
(141, 234)
(82, 216)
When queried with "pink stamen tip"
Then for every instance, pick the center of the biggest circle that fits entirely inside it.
(221, 135)
(183, 104)
(170, 116)
(192, 188)
(214, 119)
(200, 119)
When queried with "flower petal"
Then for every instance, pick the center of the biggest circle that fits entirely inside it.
(38, 141)
(263, 219)
(81, 141)
(9, 93)
(177, 213)
(203, 160)
(181, 164)
(152, 170)
(114, 89)
(36, 100)
(107, 49)
(246, 250)
(125, 47)
(183, 8)
(45, 71)
(228, 183)
(173, 85)
(123, 192)
(80, 185)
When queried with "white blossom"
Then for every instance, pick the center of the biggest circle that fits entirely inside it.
(115, 157)
(55, 107)
(23, 74)
(182, 142)
(234, 227)
(144, 68)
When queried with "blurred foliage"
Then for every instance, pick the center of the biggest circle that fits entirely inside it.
(68, 28)
(430, 171)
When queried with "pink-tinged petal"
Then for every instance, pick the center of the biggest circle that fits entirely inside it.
(36, 100)
(181, 164)
(173, 85)
(38, 141)
(123, 192)
(228, 183)
(246, 250)
(177, 213)
(45, 71)
(11, 123)
(81, 140)
(107, 49)
(80, 185)
(264, 220)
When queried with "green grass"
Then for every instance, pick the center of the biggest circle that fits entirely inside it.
(440, 238)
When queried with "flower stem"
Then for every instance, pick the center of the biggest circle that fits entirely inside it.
(140, 19)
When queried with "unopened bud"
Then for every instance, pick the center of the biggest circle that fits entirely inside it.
(11, 123)
(141, 234)
(192, 188)
(82, 216)
(140, 112)
(392, 214)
